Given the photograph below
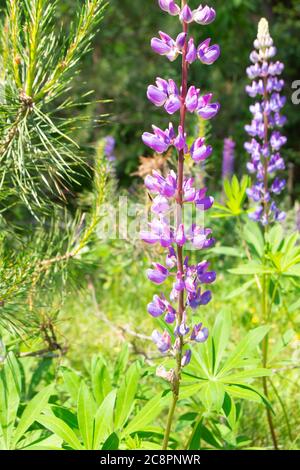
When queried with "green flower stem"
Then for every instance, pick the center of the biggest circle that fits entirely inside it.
(169, 421)
(284, 410)
(265, 317)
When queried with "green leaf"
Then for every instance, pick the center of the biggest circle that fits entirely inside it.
(32, 412)
(122, 361)
(210, 438)
(65, 414)
(212, 395)
(254, 237)
(280, 345)
(240, 290)
(220, 337)
(86, 410)
(275, 237)
(187, 391)
(112, 442)
(146, 415)
(104, 420)
(126, 394)
(293, 271)
(72, 382)
(10, 391)
(195, 441)
(295, 306)
(245, 393)
(101, 381)
(247, 374)
(61, 429)
(290, 242)
(227, 251)
(244, 348)
(252, 268)
(52, 442)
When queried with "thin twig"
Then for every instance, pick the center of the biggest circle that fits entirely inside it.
(119, 328)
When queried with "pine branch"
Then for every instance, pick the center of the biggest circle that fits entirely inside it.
(37, 153)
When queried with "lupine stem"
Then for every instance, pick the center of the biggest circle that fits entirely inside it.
(266, 142)
(265, 306)
(180, 171)
(169, 422)
(266, 315)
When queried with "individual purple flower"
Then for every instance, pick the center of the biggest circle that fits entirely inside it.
(191, 54)
(186, 358)
(182, 329)
(160, 306)
(205, 108)
(186, 14)
(180, 238)
(180, 141)
(159, 232)
(164, 186)
(200, 237)
(157, 307)
(160, 205)
(169, 6)
(189, 192)
(202, 201)
(208, 54)
(199, 334)
(161, 140)
(162, 341)
(278, 185)
(171, 258)
(199, 151)
(267, 140)
(166, 94)
(167, 46)
(204, 15)
(159, 274)
(192, 97)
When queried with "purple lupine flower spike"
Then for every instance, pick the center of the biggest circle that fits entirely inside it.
(228, 158)
(109, 153)
(266, 139)
(189, 281)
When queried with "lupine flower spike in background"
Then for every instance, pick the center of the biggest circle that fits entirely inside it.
(266, 160)
(266, 137)
(189, 288)
(109, 149)
(228, 158)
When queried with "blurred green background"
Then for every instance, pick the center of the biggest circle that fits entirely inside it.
(123, 64)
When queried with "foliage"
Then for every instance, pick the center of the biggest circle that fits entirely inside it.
(37, 152)
(76, 366)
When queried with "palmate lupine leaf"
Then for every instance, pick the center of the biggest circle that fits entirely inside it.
(37, 153)
(277, 255)
(235, 193)
(215, 372)
(12, 429)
